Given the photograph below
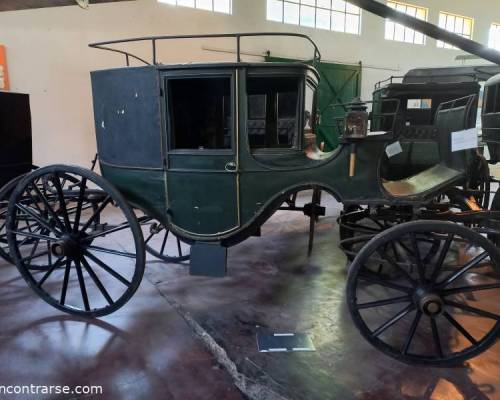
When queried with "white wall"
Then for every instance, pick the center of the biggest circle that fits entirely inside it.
(49, 59)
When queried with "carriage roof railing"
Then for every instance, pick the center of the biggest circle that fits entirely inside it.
(405, 79)
(155, 39)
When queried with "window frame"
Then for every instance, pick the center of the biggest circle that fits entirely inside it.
(316, 7)
(495, 102)
(442, 44)
(393, 39)
(167, 113)
(300, 120)
(175, 3)
(491, 44)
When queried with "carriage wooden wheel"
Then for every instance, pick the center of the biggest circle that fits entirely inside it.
(423, 306)
(164, 244)
(84, 235)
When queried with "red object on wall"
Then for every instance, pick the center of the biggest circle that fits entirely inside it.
(4, 72)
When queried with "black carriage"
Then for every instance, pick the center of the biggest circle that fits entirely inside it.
(211, 151)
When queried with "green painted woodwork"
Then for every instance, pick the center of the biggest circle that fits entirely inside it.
(203, 202)
(339, 84)
(225, 195)
(143, 188)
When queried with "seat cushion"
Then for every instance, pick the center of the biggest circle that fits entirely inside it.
(430, 180)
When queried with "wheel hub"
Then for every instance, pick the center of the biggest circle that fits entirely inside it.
(431, 304)
(66, 247)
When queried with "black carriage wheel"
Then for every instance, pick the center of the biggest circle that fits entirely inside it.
(86, 234)
(357, 225)
(164, 244)
(5, 193)
(4, 202)
(439, 310)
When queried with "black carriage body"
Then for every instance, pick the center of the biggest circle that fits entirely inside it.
(139, 154)
(15, 132)
(412, 114)
(491, 117)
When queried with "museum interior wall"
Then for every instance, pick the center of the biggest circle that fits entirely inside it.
(48, 55)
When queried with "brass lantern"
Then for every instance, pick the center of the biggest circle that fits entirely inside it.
(356, 120)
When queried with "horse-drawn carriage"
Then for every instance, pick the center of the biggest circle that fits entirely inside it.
(211, 151)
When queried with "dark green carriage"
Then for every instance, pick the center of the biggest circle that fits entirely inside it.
(211, 151)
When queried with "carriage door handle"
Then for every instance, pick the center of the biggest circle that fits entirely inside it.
(230, 166)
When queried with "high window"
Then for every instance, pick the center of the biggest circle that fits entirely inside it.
(273, 112)
(200, 113)
(222, 6)
(400, 33)
(494, 41)
(462, 26)
(335, 15)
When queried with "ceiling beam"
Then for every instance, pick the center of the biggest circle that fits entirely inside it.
(12, 5)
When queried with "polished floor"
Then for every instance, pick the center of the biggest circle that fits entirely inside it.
(152, 349)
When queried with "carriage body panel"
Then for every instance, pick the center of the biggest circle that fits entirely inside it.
(491, 117)
(414, 123)
(222, 189)
(15, 126)
(213, 150)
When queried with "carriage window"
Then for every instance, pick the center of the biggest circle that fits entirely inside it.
(309, 110)
(273, 112)
(419, 104)
(491, 99)
(200, 113)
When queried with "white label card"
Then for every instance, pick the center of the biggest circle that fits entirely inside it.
(393, 149)
(463, 140)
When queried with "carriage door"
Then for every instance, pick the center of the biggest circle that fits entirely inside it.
(202, 189)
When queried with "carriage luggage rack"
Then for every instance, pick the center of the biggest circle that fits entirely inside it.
(436, 78)
(238, 36)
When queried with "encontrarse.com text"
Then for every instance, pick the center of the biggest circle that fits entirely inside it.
(44, 389)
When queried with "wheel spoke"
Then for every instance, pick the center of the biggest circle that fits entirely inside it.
(37, 255)
(65, 282)
(34, 236)
(460, 328)
(108, 231)
(97, 212)
(107, 268)
(149, 238)
(379, 303)
(81, 281)
(437, 340)
(391, 261)
(164, 242)
(49, 272)
(97, 281)
(110, 251)
(382, 282)
(431, 253)
(179, 249)
(83, 186)
(37, 218)
(471, 264)
(468, 289)
(47, 205)
(418, 258)
(382, 328)
(442, 257)
(33, 250)
(472, 310)
(62, 201)
(411, 333)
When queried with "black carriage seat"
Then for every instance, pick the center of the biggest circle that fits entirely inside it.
(450, 117)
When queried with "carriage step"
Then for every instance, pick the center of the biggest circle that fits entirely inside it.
(208, 259)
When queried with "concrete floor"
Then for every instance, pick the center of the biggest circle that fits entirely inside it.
(183, 337)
